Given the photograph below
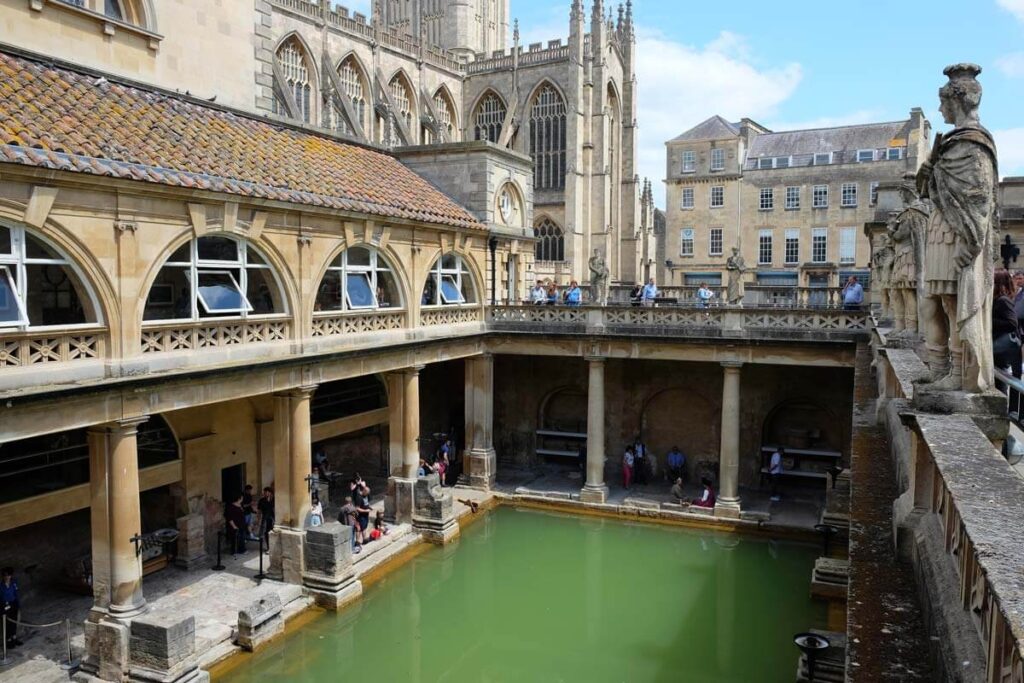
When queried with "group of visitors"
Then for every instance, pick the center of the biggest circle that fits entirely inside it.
(644, 295)
(1007, 320)
(441, 463)
(706, 499)
(639, 466)
(246, 513)
(356, 513)
(549, 295)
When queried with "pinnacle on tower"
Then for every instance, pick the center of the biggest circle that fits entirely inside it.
(577, 9)
(597, 13)
(622, 14)
(515, 33)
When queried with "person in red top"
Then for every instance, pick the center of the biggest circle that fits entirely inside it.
(707, 497)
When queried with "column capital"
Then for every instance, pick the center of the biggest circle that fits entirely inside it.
(127, 426)
(304, 391)
(732, 364)
(413, 370)
(595, 359)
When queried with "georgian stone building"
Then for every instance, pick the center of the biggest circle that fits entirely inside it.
(794, 202)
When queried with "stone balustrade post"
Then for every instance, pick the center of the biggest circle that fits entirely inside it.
(728, 502)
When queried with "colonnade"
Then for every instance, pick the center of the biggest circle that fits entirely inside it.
(596, 490)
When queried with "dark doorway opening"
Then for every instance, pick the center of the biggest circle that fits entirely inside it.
(232, 482)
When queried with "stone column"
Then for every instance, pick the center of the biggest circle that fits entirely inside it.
(126, 598)
(480, 460)
(300, 461)
(728, 503)
(595, 490)
(398, 502)
(293, 463)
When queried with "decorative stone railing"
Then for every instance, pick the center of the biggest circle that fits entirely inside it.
(754, 295)
(24, 349)
(335, 324)
(722, 320)
(430, 317)
(163, 338)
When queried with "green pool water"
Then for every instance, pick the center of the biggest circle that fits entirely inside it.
(532, 596)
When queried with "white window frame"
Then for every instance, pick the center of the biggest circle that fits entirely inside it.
(686, 236)
(862, 152)
(688, 161)
(762, 165)
(873, 194)
(889, 154)
(717, 165)
(687, 192)
(378, 264)
(783, 162)
(721, 202)
(716, 236)
(22, 320)
(795, 204)
(815, 195)
(792, 235)
(766, 199)
(761, 242)
(847, 245)
(247, 308)
(455, 274)
(821, 233)
(848, 195)
(818, 161)
(455, 282)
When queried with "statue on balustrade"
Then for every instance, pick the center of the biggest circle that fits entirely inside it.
(736, 267)
(907, 231)
(598, 279)
(961, 241)
(881, 270)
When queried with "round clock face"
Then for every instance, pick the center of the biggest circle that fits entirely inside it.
(506, 205)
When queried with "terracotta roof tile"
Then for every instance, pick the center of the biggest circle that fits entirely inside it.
(57, 118)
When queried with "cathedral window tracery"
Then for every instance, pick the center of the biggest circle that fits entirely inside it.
(550, 241)
(298, 82)
(489, 119)
(548, 139)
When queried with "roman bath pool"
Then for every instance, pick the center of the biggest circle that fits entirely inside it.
(535, 596)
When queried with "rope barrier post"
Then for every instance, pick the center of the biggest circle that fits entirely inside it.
(219, 567)
(72, 663)
(261, 575)
(3, 660)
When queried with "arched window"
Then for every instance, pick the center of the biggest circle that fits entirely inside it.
(358, 279)
(489, 118)
(39, 286)
(550, 241)
(401, 95)
(113, 9)
(298, 76)
(351, 77)
(547, 139)
(215, 276)
(445, 117)
(449, 283)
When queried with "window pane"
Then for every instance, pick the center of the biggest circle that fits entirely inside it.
(449, 262)
(170, 297)
(9, 311)
(328, 297)
(218, 293)
(358, 256)
(450, 293)
(182, 254)
(35, 249)
(5, 240)
(253, 258)
(112, 8)
(262, 292)
(468, 293)
(218, 249)
(387, 291)
(360, 295)
(55, 296)
(430, 291)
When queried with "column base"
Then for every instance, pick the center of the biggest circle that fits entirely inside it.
(727, 509)
(398, 501)
(125, 613)
(594, 494)
(480, 470)
(286, 555)
(106, 647)
(438, 534)
(331, 595)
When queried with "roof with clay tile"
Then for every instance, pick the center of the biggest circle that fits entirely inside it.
(57, 118)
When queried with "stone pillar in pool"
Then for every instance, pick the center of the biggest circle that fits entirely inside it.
(293, 466)
(480, 459)
(728, 502)
(117, 568)
(398, 502)
(328, 577)
(595, 490)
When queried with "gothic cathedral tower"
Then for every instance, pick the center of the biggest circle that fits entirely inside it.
(466, 27)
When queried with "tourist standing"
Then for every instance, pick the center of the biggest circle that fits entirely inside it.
(234, 518)
(1006, 342)
(704, 295)
(775, 472)
(636, 294)
(675, 463)
(316, 512)
(639, 462)
(650, 293)
(249, 508)
(362, 502)
(537, 294)
(349, 516)
(853, 294)
(552, 294)
(574, 295)
(627, 468)
(10, 604)
(267, 521)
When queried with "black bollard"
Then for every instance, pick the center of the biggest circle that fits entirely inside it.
(261, 575)
(220, 565)
(827, 530)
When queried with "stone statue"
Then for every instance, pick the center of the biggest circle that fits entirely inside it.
(736, 267)
(881, 270)
(960, 178)
(907, 231)
(598, 279)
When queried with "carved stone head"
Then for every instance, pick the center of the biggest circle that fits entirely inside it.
(961, 96)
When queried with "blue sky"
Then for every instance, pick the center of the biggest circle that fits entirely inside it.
(805, 63)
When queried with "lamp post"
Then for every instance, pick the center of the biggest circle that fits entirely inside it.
(811, 645)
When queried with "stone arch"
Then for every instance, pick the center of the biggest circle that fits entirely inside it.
(283, 275)
(547, 135)
(443, 94)
(402, 91)
(352, 59)
(476, 275)
(392, 259)
(550, 236)
(305, 90)
(564, 409)
(678, 416)
(84, 264)
(803, 422)
(140, 13)
(487, 116)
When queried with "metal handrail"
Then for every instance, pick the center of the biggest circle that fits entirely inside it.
(1014, 392)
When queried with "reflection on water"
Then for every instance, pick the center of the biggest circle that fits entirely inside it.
(532, 596)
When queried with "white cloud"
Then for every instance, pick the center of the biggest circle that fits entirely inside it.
(1012, 65)
(1010, 145)
(1014, 7)
(682, 85)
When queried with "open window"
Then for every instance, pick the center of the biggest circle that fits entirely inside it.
(214, 276)
(449, 283)
(39, 286)
(358, 279)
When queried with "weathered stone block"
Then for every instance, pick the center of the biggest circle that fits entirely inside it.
(259, 622)
(161, 649)
(434, 512)
(191, 542)
(328, 577)
(398, 501)
(286, 555)
(106, 649)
